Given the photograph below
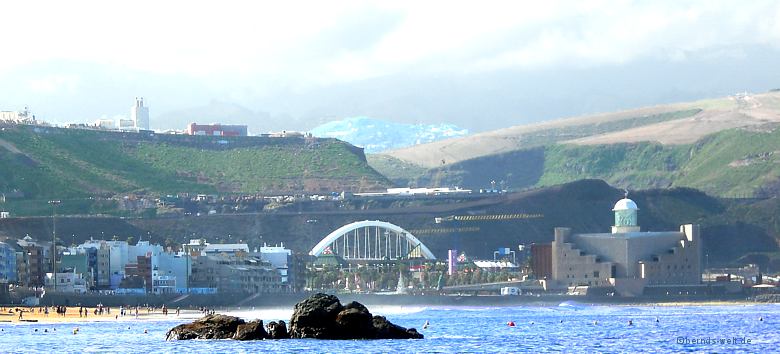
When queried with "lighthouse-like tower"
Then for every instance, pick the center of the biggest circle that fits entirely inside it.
(625, 216)
(140, 114)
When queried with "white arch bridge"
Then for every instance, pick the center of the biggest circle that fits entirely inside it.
(372, 241)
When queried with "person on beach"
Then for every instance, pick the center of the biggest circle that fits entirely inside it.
(81, 310)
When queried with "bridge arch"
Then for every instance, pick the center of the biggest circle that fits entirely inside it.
(372, 240)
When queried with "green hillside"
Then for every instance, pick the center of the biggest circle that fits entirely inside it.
(45, 163)
(735, 162)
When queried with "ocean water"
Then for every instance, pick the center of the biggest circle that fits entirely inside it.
(568, 327)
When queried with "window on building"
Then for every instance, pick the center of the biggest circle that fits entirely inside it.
(595, 273)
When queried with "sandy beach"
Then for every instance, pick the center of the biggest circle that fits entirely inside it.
(39, 315)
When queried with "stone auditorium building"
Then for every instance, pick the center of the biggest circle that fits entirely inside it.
(626, 258)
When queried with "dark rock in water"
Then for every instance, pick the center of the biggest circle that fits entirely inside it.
(277, 330)
(322, 316)
(218, 327)
(209, 327)
(251, 331)
(387, 330)
(315, 317)
(354, 321)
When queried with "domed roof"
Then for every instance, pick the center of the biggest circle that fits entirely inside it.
(625, 204)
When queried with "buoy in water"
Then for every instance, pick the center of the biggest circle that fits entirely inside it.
(510, 323)
(761, 319)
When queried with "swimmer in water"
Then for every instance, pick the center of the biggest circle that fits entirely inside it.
(426, 324)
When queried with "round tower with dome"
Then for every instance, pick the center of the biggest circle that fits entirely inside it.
(625, 216)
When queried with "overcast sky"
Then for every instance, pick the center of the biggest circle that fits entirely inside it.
(482, 65)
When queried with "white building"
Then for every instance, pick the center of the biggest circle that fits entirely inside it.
(170, 273)
(279, 257)
(140, 114)
(143, 249)
(23, 117)
(116, 253)
(67, 282)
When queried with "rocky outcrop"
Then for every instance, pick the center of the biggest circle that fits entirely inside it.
(315, 317)
(277, 330)
(320, 316)
(218, 327)
(251, 331)
(387, 330)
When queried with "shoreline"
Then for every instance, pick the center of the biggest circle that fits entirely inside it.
(32, 315)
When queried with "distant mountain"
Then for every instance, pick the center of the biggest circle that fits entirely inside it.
(376, 135)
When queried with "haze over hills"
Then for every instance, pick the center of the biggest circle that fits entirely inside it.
(376, 135)
(691, 144)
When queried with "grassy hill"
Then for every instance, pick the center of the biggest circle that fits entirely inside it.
(681, 123)
(731, 163)
(52, 163)
(725, 147)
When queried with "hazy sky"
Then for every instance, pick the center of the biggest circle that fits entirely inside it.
(482, 65)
